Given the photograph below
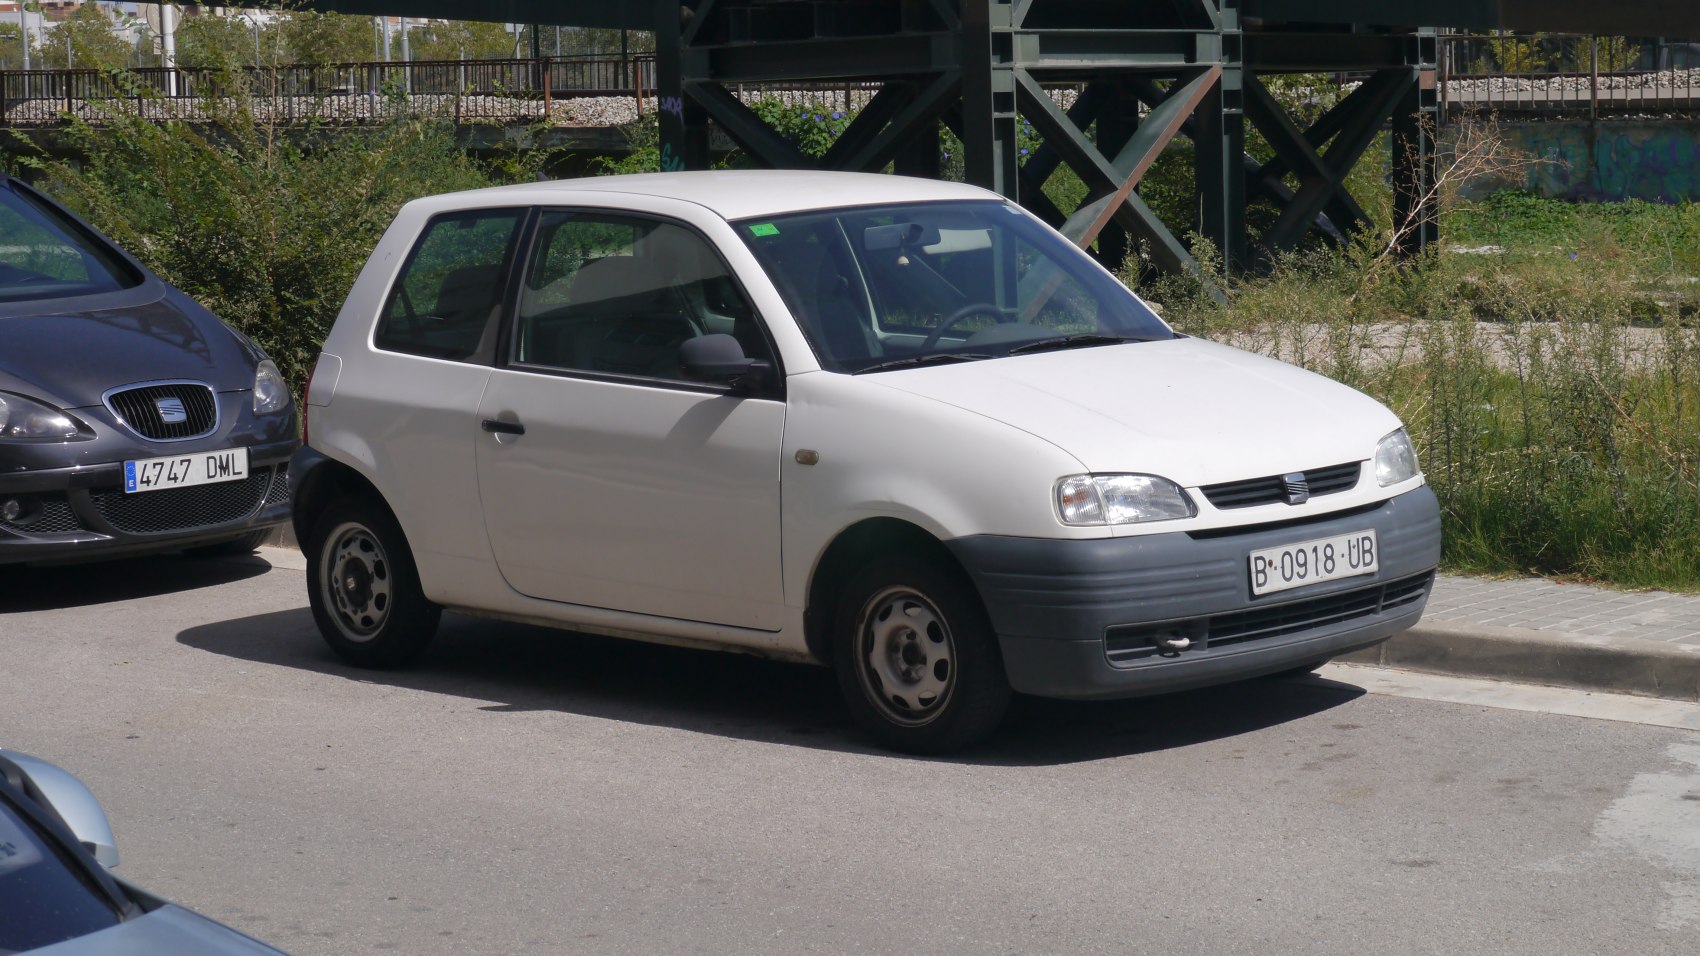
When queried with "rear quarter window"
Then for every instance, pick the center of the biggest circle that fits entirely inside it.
(449, 291)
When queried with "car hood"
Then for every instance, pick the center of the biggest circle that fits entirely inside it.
(1191, 411)
(73, 359)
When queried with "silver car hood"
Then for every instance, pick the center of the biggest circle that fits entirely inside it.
(168, 931)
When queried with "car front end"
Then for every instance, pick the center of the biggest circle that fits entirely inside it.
(132, 420)
(1245, 518)
(156, 466)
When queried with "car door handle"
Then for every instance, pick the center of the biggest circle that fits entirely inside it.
(503, 428)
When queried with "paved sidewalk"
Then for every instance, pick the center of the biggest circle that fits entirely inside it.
(1566, 635)
(1571, 608)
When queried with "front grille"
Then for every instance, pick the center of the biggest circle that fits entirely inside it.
(278, 493)
(44, 514)
(1125, 644)
(139, 409)
(184, 509)
(1273, 489)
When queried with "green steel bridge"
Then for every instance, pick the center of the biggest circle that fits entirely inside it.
(1147, 71)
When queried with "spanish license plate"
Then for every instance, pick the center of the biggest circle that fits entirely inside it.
(1313, 562)
(184, 471)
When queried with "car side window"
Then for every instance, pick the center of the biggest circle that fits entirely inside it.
(619, 294)
(451, 286)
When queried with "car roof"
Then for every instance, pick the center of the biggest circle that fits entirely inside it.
(741, 193)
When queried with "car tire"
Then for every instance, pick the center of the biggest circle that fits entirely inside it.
(916, 658)
(235, 547)
(364, 588)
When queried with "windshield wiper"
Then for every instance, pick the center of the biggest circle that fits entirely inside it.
(1074, 342)
(916, 361)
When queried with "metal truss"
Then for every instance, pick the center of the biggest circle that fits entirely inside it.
(1141, 74)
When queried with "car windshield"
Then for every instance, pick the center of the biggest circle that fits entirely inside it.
(43, 897)
(44, 255)
(888, 287)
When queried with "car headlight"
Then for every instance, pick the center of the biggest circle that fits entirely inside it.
(1395, 459)
(1120, 499)
(25, 419)
(271, 392)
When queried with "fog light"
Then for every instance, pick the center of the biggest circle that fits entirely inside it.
(12, 510)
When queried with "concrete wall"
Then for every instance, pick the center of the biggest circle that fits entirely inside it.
(1610, 160)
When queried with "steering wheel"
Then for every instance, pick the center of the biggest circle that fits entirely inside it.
(955, 318)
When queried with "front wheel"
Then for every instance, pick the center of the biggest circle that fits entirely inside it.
(364, 588)
(916, 658)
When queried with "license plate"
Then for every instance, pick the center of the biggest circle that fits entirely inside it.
(184, 471)
(1313, 562)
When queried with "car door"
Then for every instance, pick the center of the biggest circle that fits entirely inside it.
(606, 479)
(408, 406)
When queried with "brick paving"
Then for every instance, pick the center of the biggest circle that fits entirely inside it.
(1571, 608)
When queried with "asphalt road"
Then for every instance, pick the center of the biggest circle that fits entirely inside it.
(525, 791)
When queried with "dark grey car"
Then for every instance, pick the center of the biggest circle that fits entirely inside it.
(132, 419)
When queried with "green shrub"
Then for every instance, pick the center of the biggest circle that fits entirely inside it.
(265, 226)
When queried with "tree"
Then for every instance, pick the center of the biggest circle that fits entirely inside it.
(224, 42)
(11, 47)
(461, 40)
(318, 38)
(86, 40)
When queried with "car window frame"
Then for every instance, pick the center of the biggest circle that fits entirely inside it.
(772, 390)
(150, 288)
(506, 278)
(51, 832)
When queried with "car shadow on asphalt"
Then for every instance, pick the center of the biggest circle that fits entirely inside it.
(58, 587)
(518, 668)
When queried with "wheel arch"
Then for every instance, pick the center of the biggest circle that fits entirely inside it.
(322, 480)
(853, 548)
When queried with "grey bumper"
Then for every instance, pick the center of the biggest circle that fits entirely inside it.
(1084, 619)
(83, 514)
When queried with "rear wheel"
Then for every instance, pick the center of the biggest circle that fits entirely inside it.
(916, 658)
(364, 588)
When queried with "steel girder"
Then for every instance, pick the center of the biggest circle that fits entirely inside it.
(981, 67)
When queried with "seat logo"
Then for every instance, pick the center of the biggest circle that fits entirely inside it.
(1297, 488)
(171, 410)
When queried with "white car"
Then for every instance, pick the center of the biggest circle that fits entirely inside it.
(895, 426)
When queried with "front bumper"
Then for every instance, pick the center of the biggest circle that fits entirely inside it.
(1084, 618)
(82, 513)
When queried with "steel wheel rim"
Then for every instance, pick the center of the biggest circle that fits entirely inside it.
(905, 656)
(358, 582)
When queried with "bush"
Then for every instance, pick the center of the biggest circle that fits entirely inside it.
(265, 226)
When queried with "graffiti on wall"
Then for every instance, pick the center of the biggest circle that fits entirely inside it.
(1609, 161)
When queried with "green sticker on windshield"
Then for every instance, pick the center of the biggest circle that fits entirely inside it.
(764, 229)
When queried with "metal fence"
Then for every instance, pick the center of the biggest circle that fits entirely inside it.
(471, 90)
(1547, 76)
(1564, 76)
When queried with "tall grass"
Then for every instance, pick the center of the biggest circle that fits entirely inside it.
(1553, 393)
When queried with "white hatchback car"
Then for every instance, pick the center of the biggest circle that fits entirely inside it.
(895, 426)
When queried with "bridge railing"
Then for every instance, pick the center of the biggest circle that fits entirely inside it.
(1566, 76)
(1549, 76)
(473, 90)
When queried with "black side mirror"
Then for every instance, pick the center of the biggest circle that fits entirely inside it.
(720, 358)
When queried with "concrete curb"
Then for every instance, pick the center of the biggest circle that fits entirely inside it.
(1618, 665)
